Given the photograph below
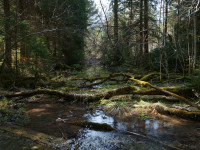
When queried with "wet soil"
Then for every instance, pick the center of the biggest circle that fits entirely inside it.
(54, 119)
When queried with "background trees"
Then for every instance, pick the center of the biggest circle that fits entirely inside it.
(37, 34)
(160, 35)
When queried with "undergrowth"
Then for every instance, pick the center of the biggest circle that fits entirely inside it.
(9, 112)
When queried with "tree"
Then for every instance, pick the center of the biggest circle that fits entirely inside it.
(141, 27)
(146, 27)
(7, 63)
(116, 26)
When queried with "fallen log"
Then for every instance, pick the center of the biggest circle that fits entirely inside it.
(150, 76)
(180, 98)
(183, 91)
(103, 79)
(112, 77)
(109, 77)
(93, 125)
(180, 90)
(71, 97)
(195, 116)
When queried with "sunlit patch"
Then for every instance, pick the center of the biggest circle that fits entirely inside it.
(36, 110)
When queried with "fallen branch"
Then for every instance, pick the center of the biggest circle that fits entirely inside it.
(112, 77)
(105, 78)
(180, 98)
(92, 125)
(184, 91)
(178, 112)
(78, 97)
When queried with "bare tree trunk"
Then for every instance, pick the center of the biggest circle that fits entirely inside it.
(115, 11)
(195, 42)
(22, 17)
(16, 32)
(7, 64)
(165, 37)
(161, 53)
(141, 26)
(146, 27)
(54, 47)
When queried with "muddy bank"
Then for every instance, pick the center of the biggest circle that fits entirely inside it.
(10, 141)
(54, 119)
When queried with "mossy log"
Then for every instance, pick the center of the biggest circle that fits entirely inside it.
(38, 137)
(180, 90)
(195, 116)
(183, 91)
(103, 79)
(71, 97)
(109, 77)
(92, 125)
(180, 98)
(149, 76)
(112, 77)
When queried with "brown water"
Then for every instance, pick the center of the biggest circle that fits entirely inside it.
(44, 118)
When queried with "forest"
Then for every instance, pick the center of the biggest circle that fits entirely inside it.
(99, 74)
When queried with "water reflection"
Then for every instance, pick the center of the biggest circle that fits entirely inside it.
(184, 136)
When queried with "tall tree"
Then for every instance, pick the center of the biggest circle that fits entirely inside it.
(116, 27)
(141, 27)
(146, 27)
(165, 35)
(7, 64)
(115, 10)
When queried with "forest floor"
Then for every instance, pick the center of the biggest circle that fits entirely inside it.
(147, 115)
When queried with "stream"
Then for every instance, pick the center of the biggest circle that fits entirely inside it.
(44, 118)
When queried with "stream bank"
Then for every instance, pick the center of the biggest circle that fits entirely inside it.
(44, 118)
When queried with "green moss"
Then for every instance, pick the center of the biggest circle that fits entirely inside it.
(10, 114)
(150, 76)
